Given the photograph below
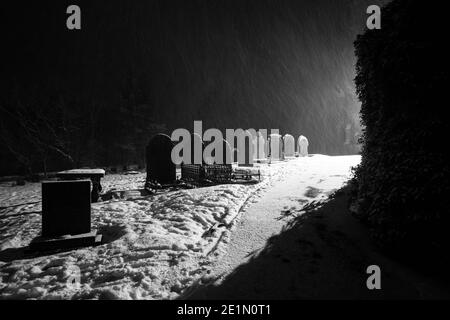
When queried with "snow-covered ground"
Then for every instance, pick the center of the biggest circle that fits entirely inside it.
(155, 246)
(305, 180)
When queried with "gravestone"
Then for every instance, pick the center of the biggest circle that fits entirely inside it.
(276, 147)
(289, 145)
(261, 152)
(248, 153)
(94, 174)
(66, 207)
(255, 148)
(160, 167)
(303, 146)
(66, 216)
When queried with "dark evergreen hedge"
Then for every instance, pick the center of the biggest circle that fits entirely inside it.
(402, 185)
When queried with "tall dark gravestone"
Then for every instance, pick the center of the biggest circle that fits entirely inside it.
(160, 167)
(66, 208)
(66, 216)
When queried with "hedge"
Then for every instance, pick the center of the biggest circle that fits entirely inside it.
(401, 188)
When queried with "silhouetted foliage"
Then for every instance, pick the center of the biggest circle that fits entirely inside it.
(402, 184)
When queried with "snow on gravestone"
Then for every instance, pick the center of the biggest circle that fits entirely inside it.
(276, 147)
(160, 167)
(289, 145)
(303, 146)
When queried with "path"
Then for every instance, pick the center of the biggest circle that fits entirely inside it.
(322, 254)
(303, 181)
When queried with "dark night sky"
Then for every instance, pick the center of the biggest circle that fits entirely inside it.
(259, 64)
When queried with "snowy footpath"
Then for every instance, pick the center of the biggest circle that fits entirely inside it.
(305, 180)
(156, 247)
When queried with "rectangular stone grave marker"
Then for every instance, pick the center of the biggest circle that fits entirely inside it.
(66, 207)
(66, 215)
(94, 174)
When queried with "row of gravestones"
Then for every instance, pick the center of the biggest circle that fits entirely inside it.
(66, 205)
(161, 169)
(277, 147)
